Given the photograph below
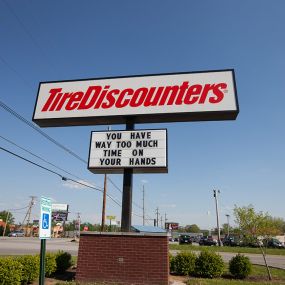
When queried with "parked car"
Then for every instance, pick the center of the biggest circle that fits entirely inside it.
(16, 234)
(208, 241)
(274, 243)
(185, 239)
(232, 241)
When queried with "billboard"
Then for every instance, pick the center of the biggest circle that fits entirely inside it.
(143, 150)
(171, 226)
(189, 96)
(59, 212)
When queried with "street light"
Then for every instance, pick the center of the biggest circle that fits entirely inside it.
(216, 192)
(228, 219)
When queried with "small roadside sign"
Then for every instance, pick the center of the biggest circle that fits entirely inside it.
(45, 218)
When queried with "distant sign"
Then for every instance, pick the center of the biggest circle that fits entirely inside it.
(155, 98)
(111, 218)
(171, 226)
(45, 218)
(59, 207)
(59, 212)
(143, 150)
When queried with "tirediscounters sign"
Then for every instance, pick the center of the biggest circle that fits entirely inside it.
(194, 96)
(145, 151)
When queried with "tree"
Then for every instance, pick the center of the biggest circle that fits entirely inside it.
(3, 216)
(192, 229)
(253, 225)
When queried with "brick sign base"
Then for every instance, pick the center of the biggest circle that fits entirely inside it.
(123, 258)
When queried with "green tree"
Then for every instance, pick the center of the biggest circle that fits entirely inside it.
(3, 216)
(254, 225)
(192, 229)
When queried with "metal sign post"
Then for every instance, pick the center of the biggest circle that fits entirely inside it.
(44, 233)
(126, 220)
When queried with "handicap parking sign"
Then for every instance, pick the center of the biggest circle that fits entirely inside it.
(45, 221)
(45, 218)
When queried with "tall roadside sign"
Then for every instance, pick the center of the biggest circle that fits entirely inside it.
(154, 98)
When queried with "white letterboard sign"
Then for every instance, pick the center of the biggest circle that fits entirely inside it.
(145, 151)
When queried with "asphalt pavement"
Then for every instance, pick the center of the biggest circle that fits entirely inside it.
(21, 246)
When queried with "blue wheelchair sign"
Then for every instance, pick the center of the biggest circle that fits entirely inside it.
(45, 221)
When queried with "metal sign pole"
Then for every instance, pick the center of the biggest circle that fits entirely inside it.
(127, 193)
(42, 262)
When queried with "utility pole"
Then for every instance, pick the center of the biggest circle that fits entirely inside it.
(7, 217)
(165, 220)
(143, 206)
(228, 219)
(77, 224)
(104, 199)
(157, 213)
(28, 215)
(161, 222)
(216, 192)
(104, 204)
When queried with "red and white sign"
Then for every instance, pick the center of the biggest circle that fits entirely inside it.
(209, 95)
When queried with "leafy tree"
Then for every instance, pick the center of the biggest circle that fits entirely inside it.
(192, 229)
(253, 225)
(3, 216)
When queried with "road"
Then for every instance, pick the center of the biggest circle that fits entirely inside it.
(20, 246)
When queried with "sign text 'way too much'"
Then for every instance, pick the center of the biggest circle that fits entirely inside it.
(143, 150)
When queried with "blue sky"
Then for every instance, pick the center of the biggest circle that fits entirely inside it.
(62, 40)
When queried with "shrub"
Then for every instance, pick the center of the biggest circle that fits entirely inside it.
(184, 263)
(240, 266)
(10, 271)
(171, 263)
(209, 265)
(63, 261)
(31, 268)
(50, 263)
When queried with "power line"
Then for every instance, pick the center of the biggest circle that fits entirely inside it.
(63, 177)
(37, 156)
(33, 126)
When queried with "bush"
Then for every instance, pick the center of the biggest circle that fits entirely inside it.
(209, 265)
(240, 266)
(10, 271)
(183, 263)
(50, 262)
(63, 261)
(171, 263)
(31, 268)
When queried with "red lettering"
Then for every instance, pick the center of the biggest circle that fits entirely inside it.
(192, 94)
(182, 89)
(53, 93)
(150, 100)
(138, 97)
(110, 98)
(102, 96)
(218, 93)
(120, 103)
(74, 100)
(85, 104)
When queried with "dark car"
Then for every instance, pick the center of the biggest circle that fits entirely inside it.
(232, 241)
(185, 239)
(274, 243)
(208, 241)
(16, 234)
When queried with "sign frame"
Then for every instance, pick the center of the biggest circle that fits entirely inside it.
(140, 118)
(136, 170)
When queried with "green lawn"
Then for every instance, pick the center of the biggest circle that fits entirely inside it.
(237, 249)
(257, 277)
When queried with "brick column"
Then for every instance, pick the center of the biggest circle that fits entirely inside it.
(123, 258)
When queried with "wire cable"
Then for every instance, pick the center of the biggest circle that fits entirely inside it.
(37, 129)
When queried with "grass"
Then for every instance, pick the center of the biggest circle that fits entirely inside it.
(237, 249)
(257, 277)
